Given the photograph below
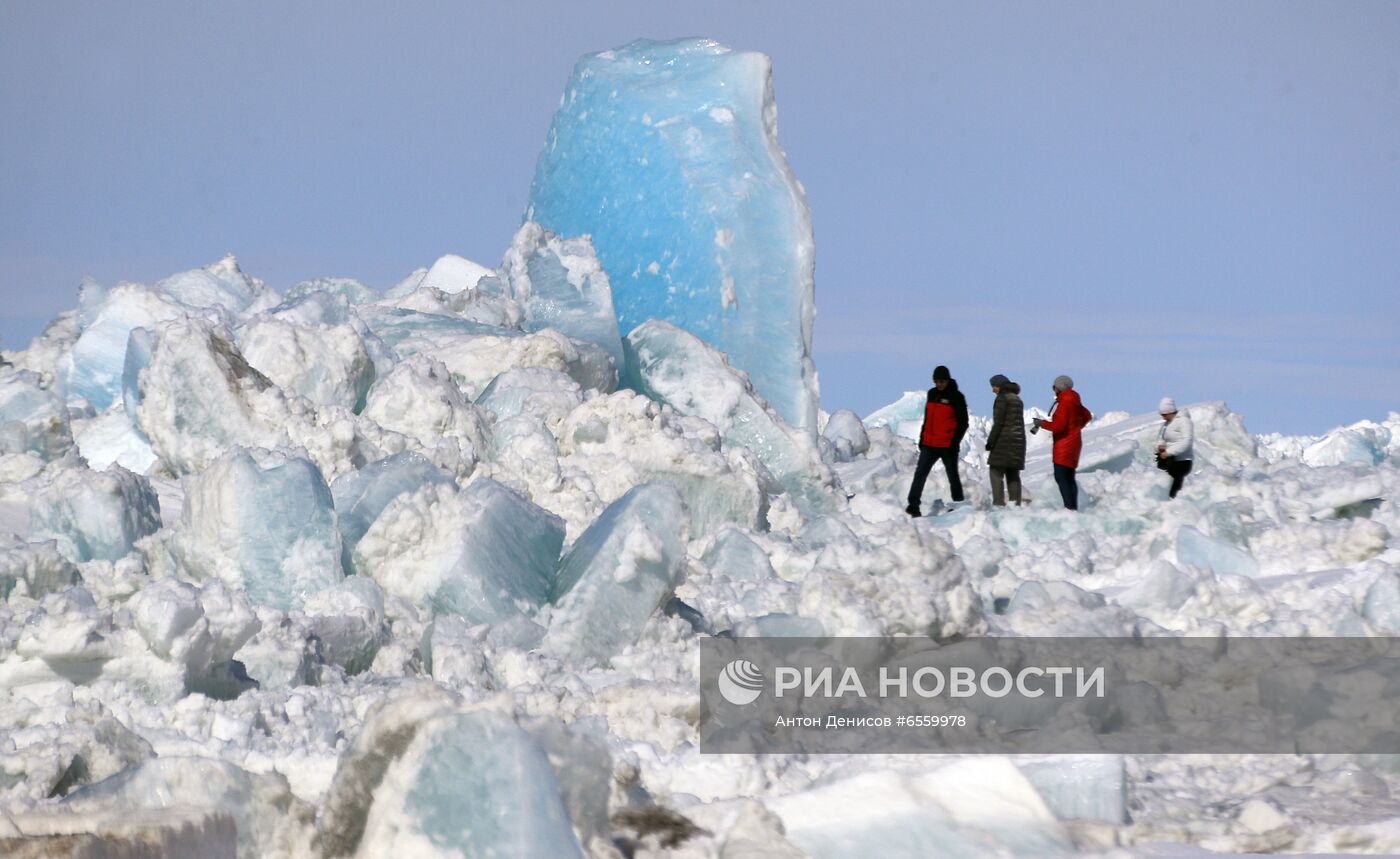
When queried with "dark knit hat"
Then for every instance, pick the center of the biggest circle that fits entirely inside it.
(941, 374)
(998, 380)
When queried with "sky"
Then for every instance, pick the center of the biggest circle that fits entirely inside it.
(1186, 198)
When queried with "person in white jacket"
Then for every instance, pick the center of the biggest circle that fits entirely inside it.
(1174, 444)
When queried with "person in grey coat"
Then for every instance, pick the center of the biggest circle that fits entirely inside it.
(1006, 441)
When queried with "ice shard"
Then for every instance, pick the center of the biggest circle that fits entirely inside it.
(1210, 553)
(845, 435)
(666, 154)
(559, 283)
(484, 553)
(262, 521)
(327, 364)
(360, 496)
(93, 369)
(471, 784)
(39, 567)
(95, 515)
(617, 574)
(199, 397)
(672, 366)
(32, 418)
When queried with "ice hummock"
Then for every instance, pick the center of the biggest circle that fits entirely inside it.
(36, 567)
(1213, 554)
(666, 154)
(94, 366)
(451, 274)
(198, 396)
(419, 399)
(622, 439)
(546, 394)
(33, 419)
(427, 776)
(471, 784)
(845, 436)
(360, 496)
(95, 515)
(675, 367)
(1081, 787)
(485, 553)
(327, 364)
(217, 292)
(617, 574)
(560, 284)
(264, 522)
(220, 286)
(110, 439)
(902, 417)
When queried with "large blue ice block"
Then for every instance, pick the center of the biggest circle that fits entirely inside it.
(666, 154)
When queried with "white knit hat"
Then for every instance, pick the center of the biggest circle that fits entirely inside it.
(1166, 406)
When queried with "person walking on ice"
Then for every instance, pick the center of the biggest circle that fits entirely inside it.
(1174, 444)
(1006, 442)
(945, 424)
(1066, 419)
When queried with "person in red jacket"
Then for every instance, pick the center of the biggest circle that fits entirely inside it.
(945, 424)
(1067, 417)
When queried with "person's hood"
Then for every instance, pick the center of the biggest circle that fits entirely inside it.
(1011, 388)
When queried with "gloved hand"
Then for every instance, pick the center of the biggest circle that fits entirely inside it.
(1035, 424)
(988, 448)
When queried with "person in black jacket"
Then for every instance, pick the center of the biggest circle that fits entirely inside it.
(1006, 441)
(945, 424)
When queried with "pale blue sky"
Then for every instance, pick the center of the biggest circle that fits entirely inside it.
(1194, 198)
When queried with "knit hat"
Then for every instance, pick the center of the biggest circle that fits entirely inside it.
(941, 374)
(1166, 406)
(998, 380)
(1063, 383)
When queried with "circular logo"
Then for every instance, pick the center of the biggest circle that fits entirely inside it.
(740, 682)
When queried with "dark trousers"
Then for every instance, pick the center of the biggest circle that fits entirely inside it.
(1178, 469)
(927, 457)
(1004, 481)
(1069, 488)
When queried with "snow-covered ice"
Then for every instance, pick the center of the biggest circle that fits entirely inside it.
(616, 576)
(485, 553)
(559, 283)
(263, 521)
(218, 586)
(33, 419)
(675, 367)
(336, 573)
(470, 784)
(95, 515)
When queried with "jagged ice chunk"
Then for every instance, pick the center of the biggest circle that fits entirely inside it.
(263, 521)
(674, 367)
(617, 574)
